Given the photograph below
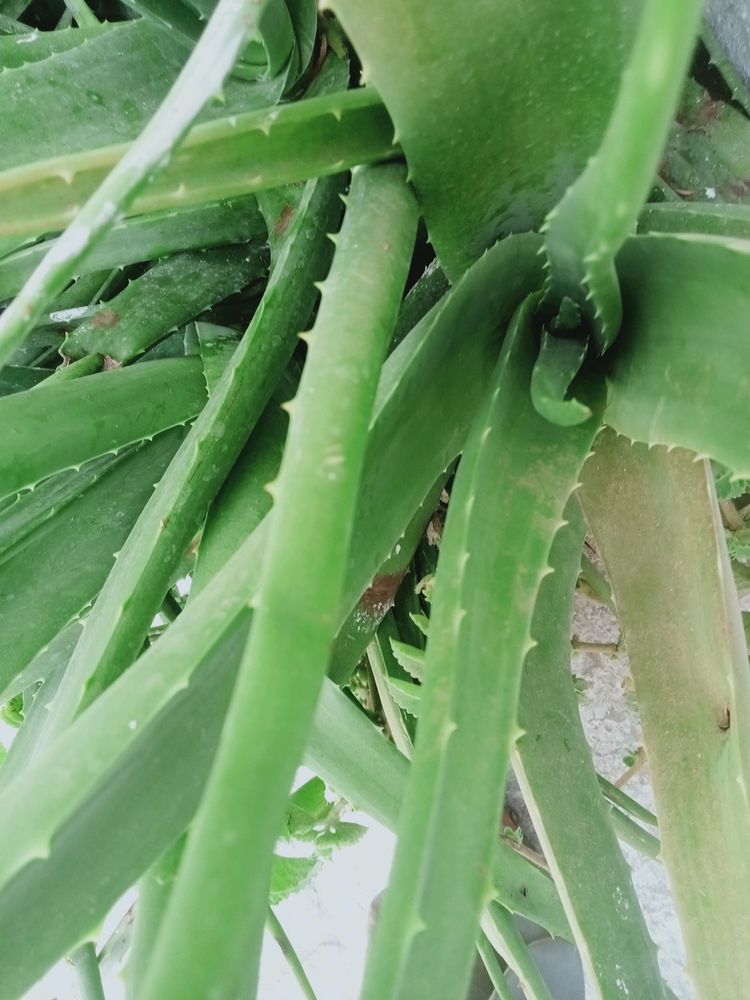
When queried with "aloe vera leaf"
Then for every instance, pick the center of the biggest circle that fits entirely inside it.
(559, 362)
(620, 798)
(88, 977)
(489, 958)
(584, 231)
(360, 627)
(322, 135)
(707, 154)
(134, 590)
(505, 938)
(25, 512)
(169, 294)
(201, 76)
(522, 56)
(437, 365)
(148, 237)
(323, 458)
(659, 532)
(22, 748)
(47, 661)
(633, 834)
(9, 26)
(243, 501)
(80, 541)
(69, 423)
(88, 365)
(728, 221)
(105, 83)
(380, 658)
(595, 884)
(425, 292)
(479, 636)
(216, 344)
(18, 378)
(108, 842)
(666, 385)
(154, 890)
(277, 932)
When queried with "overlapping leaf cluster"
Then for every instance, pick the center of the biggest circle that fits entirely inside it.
(266, 275)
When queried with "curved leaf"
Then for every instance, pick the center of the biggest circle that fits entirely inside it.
(492, 136)
(64, 425)
(680, 371)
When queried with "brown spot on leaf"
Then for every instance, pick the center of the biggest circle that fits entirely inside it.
(109, 364)
(282, 223)
(725, 720)
(105, 319)
(380, 594)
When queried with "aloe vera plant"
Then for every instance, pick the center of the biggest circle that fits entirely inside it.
(279, 285)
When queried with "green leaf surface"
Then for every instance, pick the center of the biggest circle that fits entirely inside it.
(669, 382)
(654, 516)
(406, 695)
(15, 378)
(410, 658)
(201, 76)
(105, 83)
(248, 152)
(492, 560)
(221, 900)
(588, 226)
(65, 425)
(436, 366)
(145, 568)
(552, 762)
(168, 295)
(290, 875)
(80, 542)
(148, 237)
(497, 113)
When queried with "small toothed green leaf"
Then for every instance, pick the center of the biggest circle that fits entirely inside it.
(289, 875)
(410, 658)
(406, 695)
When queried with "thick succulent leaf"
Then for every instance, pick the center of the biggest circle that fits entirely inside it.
(80, 542)
(133, 816)
(104, 84)
(595, 884)
(248, 152)
(679, 372)
(589, 225)
(148, 237)
(243, 500)
(437, 366)
(221, 900)
(491, 149)
(654, 516)
(134, 590)
(17, 378)
(167, 296)
(59, 426)
(202, 75)
(25, 512)
(721, 219)
(493, 558)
